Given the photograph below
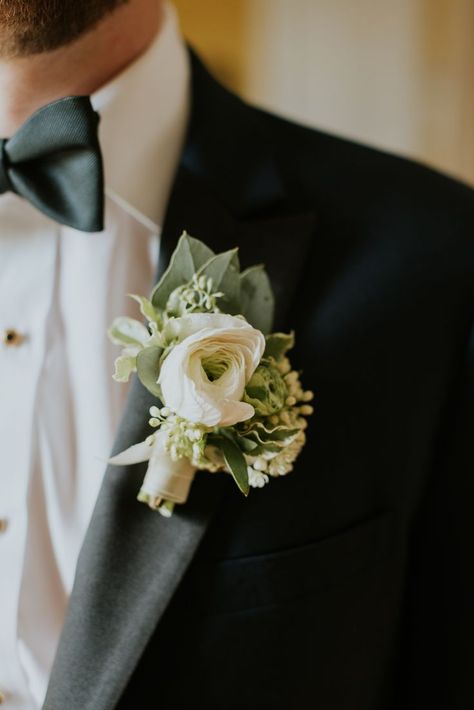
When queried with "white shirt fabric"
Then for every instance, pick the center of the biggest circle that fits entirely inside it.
(59, 409)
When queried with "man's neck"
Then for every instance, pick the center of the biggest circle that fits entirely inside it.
(80, 68)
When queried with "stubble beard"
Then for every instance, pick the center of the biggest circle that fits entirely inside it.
(29, 27)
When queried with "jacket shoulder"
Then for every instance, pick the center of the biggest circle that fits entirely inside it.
(364, 186)
(321, 157)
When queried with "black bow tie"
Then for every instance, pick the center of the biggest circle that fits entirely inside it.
(54, 161)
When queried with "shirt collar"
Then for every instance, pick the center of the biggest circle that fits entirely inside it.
(144, 112)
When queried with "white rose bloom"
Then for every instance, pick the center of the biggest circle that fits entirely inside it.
(204, 376)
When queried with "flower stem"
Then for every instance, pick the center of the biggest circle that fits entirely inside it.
(165, 507)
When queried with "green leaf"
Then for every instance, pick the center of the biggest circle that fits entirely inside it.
(124, 366)
(148, 368)
(265, 439)
(278, 344)
(235, 461)
(214, 440)
(260, 433)
(146, 307)
(247, 445)
(223, 270)
(236, 260)
(256, 298)
(187, 258)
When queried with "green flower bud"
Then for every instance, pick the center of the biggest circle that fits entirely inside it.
(266, 390)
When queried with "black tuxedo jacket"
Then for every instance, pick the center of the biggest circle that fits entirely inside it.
(347, 584)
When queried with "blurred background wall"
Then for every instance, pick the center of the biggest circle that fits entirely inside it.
(397, 75)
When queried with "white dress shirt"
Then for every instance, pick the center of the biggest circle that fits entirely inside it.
(59, 291)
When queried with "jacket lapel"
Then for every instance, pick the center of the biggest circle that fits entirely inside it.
(228, 193)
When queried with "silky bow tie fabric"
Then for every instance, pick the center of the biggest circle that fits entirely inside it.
(54, 161)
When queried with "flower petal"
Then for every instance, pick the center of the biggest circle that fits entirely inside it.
(234, 412)
(230, 348)
(137, 453)
(128, 331)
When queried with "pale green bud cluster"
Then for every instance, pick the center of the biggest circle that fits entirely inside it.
(257, 479)
(283, 462)
(184, 439)
(197, 296)
(296, 403)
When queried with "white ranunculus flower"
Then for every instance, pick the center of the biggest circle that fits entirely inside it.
(204, 376)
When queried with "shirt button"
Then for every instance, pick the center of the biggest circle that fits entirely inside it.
(12, 337)
(3, 526)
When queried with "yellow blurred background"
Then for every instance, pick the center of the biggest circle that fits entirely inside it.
(396, 75)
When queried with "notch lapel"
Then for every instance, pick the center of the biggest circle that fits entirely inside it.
(133, 559)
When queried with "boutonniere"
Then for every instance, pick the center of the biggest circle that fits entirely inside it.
(227, 398)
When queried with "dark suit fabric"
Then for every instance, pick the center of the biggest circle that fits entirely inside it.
(347, 584)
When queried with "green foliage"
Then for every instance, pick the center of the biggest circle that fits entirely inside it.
(256, 298)
(267, 390)
(146, 307)
(278, 345)
(187, 259)
(234, 460)
(124, 366)
(223, 269)
(148, 368)
(258, 437)
(248, 294)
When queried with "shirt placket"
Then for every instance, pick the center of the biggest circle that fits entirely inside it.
(28, 253)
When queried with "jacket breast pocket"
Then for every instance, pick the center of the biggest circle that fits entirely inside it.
(285, 575)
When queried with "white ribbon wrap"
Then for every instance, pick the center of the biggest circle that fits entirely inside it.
(165, 478)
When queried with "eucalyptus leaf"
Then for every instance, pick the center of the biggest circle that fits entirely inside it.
(148, 368)
(223, 270)
(235, 461)
(188, 257)
(256, 298)
(278, 344)
(236, 260)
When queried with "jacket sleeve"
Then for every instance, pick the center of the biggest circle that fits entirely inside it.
(437, 643)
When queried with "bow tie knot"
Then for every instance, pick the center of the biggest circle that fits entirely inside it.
(5, 184)
(54, 161)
